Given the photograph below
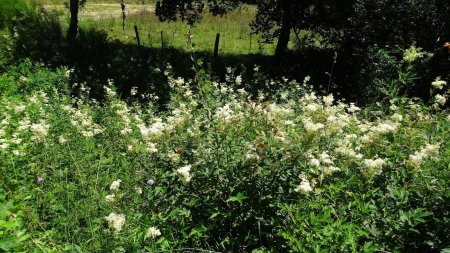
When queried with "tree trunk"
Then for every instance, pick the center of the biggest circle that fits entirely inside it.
(284, 36)
(73, 27)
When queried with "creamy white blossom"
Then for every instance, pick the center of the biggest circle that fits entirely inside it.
(305, 186)
(153, 232)
(115, 185)
(184, 172)
(110, 197)
(438, 83)
(115, 221)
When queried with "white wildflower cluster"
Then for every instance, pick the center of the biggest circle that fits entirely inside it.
(152, 147)
(83, 122)
(154, 130)
(224, 113)
(122, 112)
(374, 166)
(115, 185)
(110, 197)
(412, 54)
(438, 83)
(185, 174)
(429, 151)
(153, 232)
(178, 117)
(252, 153)
(109, 89)
(40, 131)
(384, 127)
(323, 164)
(312, 127)
(305, 186)
(349, 147)
(115, 221)
(439, 100)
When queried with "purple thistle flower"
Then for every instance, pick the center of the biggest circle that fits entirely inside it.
(39, 180)
(150, 182)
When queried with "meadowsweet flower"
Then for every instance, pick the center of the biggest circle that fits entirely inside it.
(224, 113)
(110, 197)
(304, 186)
(238, 80)
(328, 170)
(375, 166)
(153, 232)
(151, 147)
(312, 107)
(116, 221)
(441, 100)
(110, 92)
(326, 158)
(40, 131)
(62, 139)
(328, 100)
(115, 185)
(353, 108)
(174, 157)
(138, 190)
(133, 91)
(19, 108)
(412, 54)
(438, 83)
(312, 127)
(397, 117)
(314, 162)
(184, 172)
(126, 131)
(17, 153)
(426, 152)
(384, 128)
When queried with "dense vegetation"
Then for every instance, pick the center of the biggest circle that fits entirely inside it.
(103, 148)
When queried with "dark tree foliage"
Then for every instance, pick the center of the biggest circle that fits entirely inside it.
(392, 26)
(277, 18)
(274, 18)
(190, 10)
(402, 22)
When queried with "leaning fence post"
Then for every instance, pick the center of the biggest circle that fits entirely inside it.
(216, 45)
(250, 48)
(162, 40)
(137, 35)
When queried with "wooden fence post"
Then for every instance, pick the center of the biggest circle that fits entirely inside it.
(124, 17)
(216, 45)
(162, 41)
(250, 48)
(137, 35)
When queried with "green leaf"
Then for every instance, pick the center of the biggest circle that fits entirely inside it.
(239, 197)
(8, 243)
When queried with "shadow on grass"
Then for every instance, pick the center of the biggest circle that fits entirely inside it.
(95, 59)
